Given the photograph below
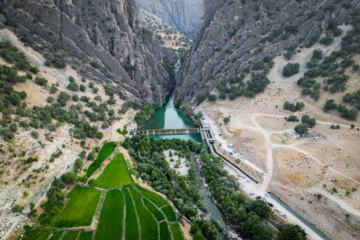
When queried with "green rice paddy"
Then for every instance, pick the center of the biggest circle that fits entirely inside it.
(131, 222)
(81, 208)
(116, 174)
(111, 217)
(176, 230)
(44, 235)
(155, 198)
(105, 152)
(169, 213)
(71, 235)
(149, 228)
(57, 235)
(145, 212)
(156, 212)
(164, 231)
(86, 235)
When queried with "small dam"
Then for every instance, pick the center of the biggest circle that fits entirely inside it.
(173, 131)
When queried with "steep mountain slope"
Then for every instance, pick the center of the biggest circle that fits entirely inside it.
(236, 34)
(102, 40)
(184, 15)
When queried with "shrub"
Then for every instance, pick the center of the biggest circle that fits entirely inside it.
(326, 40)
(302, 129)
(291, 69)
(292, 119)
(226, 120)
(294, 107)
(40, 81)
(82, 88)
(35, 134)
(73, 86)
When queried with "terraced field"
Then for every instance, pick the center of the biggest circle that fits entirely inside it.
(125, 210)
(116, 174)
(81, 208)
(105, 152)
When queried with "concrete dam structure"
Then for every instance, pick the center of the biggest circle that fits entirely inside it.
(173, 131)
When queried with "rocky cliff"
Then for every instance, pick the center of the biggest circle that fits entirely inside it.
(102, 40)
(184, 15)
(235, 34)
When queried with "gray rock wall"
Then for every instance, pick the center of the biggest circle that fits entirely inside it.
(235, 34)
(184, 15)
(130, 59)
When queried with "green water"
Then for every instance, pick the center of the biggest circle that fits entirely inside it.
(168, 116)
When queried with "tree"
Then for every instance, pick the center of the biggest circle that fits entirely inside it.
(302, 129)
(291, 69)
(292, 232)
(212, 98)
(305, 119)
(226, 120)
(13, 127)
(69, 177)
(73, 86)
(82, 87)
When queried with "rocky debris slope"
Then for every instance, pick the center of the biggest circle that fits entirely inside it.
(102, 40)
(184, 15)
(235, 34)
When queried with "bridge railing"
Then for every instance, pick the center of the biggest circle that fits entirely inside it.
(174, 131)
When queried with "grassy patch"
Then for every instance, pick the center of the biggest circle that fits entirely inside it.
(176, 230)
(149, 228)
(57, 235)
(86, 235)
(169, 213)
(164, 231)
(158, 215)
(44, 235)
(105, 152)
(155, 198)
(116, 174)
(111, 217)
(81, 208)
(71, 235)
(131, 223)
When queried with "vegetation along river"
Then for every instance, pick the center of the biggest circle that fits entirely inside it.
(169, 117)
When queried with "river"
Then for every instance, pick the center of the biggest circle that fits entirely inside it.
(168, 117)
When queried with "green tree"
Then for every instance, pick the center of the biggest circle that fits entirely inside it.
(69, 177)
(291, 69)
(292, 232)
(73, 86)
(226, 120)
(302, 129)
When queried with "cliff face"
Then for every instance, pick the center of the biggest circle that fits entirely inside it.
(103, 40)
(235, 34)
(184, 15)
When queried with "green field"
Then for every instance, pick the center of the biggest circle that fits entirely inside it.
(105, 152)
(156, 212)
(81, 208)
(44, 235)
(111, 217)
(131, 222)
(71, 235)
(164, 231)
(86, 235)
(169, 213)
(155, 198)
(149, 228)
(57, 235)
(116, 174)
(176, 230)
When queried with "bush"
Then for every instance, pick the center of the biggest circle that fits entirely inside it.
(82, 88)
(294, 107)
(326, 40)
(292, 119)
(73, 86)
(35, 134)
(226, 120)
(291, 69)
(302, 129)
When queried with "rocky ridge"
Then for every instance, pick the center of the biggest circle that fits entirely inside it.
(235, 34)
(184, 15)
(102, 40)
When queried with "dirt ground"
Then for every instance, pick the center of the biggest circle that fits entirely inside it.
(299, 168)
